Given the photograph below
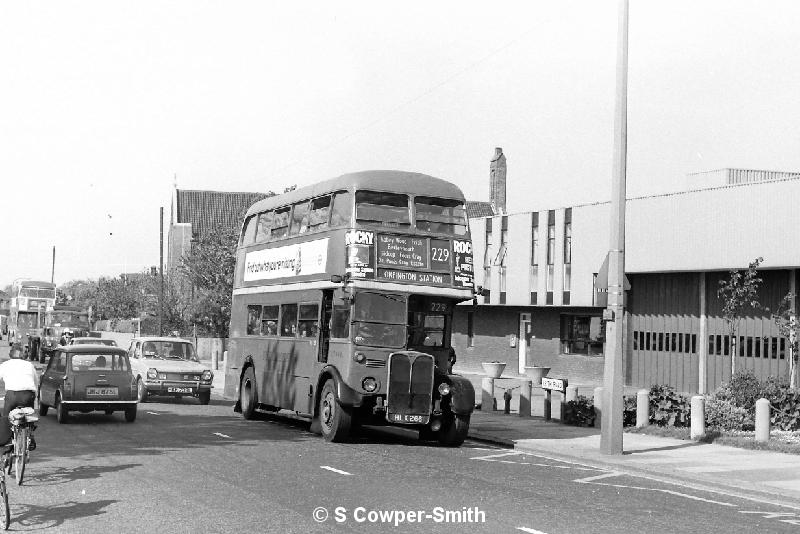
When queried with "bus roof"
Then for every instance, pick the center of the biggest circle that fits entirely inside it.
(34, 283)
(389, 181)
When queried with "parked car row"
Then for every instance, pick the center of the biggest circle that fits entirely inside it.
(93, 374)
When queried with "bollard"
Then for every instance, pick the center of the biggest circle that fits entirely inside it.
(525, 393)
(762, 420)
(598, 406)
(698, 421)
(642, 408)
(487, 394)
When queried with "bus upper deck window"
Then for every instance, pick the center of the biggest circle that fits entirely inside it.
(248, 231)
(318, 216)
(280, 222)
(385, 209)
(342, 209)
(299, 219)
(441, 215)
(264, 227)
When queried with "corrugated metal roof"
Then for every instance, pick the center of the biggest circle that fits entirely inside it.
(477, 209)
(213, 210)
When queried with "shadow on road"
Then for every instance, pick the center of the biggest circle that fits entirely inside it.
(41, 517)
(61, 475)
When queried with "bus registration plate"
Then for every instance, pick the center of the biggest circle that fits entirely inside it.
(173, 389)
(101, 392)
(407, 418)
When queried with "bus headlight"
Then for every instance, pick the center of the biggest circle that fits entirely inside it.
(369, 384)
(152, 374)
(444, 389)
(359, 357)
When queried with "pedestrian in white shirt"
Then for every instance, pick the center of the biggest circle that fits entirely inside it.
(22, 383)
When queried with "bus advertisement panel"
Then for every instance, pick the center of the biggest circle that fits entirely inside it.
(343, 304)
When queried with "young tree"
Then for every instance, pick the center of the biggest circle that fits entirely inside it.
(209, 268)
(739, 293)
(786, 319)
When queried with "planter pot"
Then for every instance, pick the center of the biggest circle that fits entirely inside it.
(536, 374)
(493, 369)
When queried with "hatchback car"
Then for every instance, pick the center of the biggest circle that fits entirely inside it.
(86, 378)
(169, 366)
(92, 341)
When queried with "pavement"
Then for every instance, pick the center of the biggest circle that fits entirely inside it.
(765, 475)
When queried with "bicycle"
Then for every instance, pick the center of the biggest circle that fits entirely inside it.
(5, 513)
(23, 423)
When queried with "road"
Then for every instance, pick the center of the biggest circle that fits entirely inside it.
(182, 467)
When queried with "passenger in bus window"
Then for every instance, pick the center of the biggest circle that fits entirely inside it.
(269, 328)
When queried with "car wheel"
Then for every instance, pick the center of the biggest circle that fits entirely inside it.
(130, 413)
(42, 408)
(204, 397)
(248, 395)
(334, 419)
(141, 390)
(62, 414)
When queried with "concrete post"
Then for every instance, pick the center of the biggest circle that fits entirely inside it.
(642, 408)
(525, 392)
(215, 359)
(487, 394)
(762, 420)
(572, 393)
(698, 421)
(598, 406)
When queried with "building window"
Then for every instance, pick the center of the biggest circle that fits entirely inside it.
(567, 274)
(582, 334)
(551, 254)
(487, 260)
(534, 275)
(500, 260)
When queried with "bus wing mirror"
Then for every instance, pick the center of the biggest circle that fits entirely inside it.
(337, 279)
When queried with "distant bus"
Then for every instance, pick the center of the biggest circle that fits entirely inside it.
(31, 302)
(343, 304)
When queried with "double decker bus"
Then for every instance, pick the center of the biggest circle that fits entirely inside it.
(343, 302)
(31, 303)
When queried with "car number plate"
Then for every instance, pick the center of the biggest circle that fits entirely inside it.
(101, 391)
(407, 418)
(173, 389)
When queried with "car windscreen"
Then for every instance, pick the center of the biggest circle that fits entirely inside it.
(99, 362)
(169, 350)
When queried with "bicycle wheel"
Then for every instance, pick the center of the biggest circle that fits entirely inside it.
(20, 453)
(5, 514)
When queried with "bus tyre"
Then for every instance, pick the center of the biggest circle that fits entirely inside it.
(454, 430)
(248, 394)
(335, 420)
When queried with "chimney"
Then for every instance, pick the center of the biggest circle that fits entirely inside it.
(497, 182)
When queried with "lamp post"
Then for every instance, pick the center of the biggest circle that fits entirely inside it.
(611, 420)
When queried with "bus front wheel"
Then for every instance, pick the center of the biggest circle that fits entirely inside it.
(335, 420)
(454, 430)
(247, 393)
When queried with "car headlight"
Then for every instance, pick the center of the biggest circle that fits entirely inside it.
(208, 375)
(152, 374)
(444, 389)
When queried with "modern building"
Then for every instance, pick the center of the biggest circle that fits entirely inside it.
(543, 277)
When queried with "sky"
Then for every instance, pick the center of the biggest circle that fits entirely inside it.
(106, 106)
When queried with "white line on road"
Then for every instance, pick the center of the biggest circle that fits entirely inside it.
(329, 468)
(512, 453)
(154, 413)
(598, 477)
(530, 530)
(220, 434)
(592, 480)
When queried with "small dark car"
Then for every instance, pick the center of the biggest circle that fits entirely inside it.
(86, 378)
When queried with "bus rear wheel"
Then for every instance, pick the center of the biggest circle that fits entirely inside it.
(248, 394)
(335, 420)
(454, 430)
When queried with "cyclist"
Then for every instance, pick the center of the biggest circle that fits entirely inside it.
(22, 383)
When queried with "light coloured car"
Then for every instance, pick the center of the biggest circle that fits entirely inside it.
(169, 366)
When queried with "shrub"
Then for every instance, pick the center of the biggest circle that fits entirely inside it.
(629, 410)
(785, 409)
(580, 412)
(743, 390)
(722, 414)
(668, 408)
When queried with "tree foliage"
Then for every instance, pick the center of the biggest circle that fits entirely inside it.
(209, 268)
(739, 293)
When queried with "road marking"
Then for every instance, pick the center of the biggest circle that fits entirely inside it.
(530, 530)
(512, 453)
(154, 413)
(593, 480)
(220, 434)
(329, 468)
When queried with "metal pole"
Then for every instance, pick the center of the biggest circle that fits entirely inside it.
(161, 273)
(611, 426)
(53, 270)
